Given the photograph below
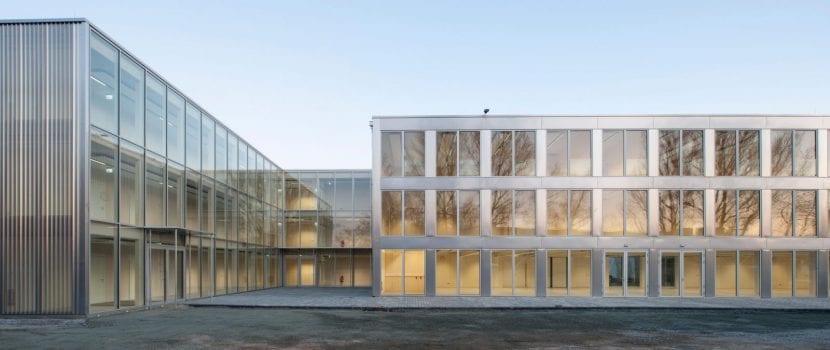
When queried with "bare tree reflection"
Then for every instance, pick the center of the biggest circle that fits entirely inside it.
(446, 154)
(501, 213)
(502, 149)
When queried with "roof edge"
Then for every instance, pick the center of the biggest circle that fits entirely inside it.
(44, 20)
(687, 115)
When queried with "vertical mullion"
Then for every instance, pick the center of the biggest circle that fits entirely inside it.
(458, 272)
(625, 211)
(681, 274)
(625, 153)
(567, 212)
(568, 153)
(513, 152)
(736, 172)
(625, 273)
(681, 196)
(457, 153)
(457, 213)
(568, 272)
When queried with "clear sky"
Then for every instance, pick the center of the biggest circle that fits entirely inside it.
(300, 80)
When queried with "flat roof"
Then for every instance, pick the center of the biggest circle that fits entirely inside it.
(687, 115)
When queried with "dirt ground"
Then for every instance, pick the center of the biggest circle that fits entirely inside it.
(221, 328)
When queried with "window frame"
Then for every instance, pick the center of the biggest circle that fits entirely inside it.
(681, 211)
(513, 152)
(680, 154)
(625, 152)
(457, 170)
(458, 272)
(681, 253)
(625, 212)
(569, 152)
(569, 272)
(569, 213)
(625, 253)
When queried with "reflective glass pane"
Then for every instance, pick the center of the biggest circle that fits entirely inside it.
(693, 213)
(636, 148)
(581, 223)
(414, 153)
(749, 269)
(414, 213)
(469, 272)
(805, 153)
(525, 221)
(391, 223)
(193, 144)
(469, 153)
(390, 148)
(445, 212)
(557, 153)
(557, 220)
(222, 154)
(636, 215)
(614, 274)
(749, 212)
(131, 101)
(502, 153)
(781, 162)
(103, 80)
(693, 274)
(175, 195)
(192, 201)
(580, 264)
(524, 281)
(612, 153)
(580, 153)
(131, 176)
(155, 116)
(446, 272)
(725, 153)
(469, 212)
(805, 274)
(446, 154)
(391, 272)
(131, 268)
(636, 274)
(612, 213)
(670, 274)
(669, 153)
(501, 273)
(725, 212)
(669, 220)
(525, 153)
(154, 178)
(692, 152)
(726, 270)
(782, 213)
(103, 177)
(175, 127)
(805, 213)
(502, 213)
(749, 153)
(414, 272)
(207, 146)
(782, 274)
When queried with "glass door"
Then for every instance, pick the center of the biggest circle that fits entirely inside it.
(158, 267)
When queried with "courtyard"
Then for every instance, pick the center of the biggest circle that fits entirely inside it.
(246, 327)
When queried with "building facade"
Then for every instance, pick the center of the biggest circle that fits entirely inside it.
(648, 206)
(119, 192)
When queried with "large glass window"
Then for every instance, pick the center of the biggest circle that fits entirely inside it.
(625, 274)
(402, 272)
(513, 153)
(402, 158)
(402, 213)
(793, 213)
(681, 152)
(569, 273)
(569, 153)
(104, 171)
(207, 208)
(175, 195)
(155, 116)
(457, 213)
(192, 200)
(207, 146)
(794, 273)
(513, 213)
(391, 157)
(513, 273)
(457, 272)
(131, 179)
(131, 268)
(154, 178)
(737, 212)
(413, 161)
(793, 153)
(681, 274)
(569, 212)
(737, 273)
(222, 155)
(681, 212)
(175, 127)
(414, 213)
(103, 88)
(737, 153)
(624, 153)
(457, 153)
(233, 163)
(624, 212)
(131, 101)
(193, 145)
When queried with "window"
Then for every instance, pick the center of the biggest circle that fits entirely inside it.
(131, 101)
(681, 152)
(737, 153)
(131, 176)
(193, 123)
(402, 158)
(681, 274)
(207, 146)
(513, 273)
(155, 111)
(391, 158)
(737, 212)
(154, 178)
(457, 153)
(681, 212)
(569, 212)
(131, 268)
(569, 153)
(794, 273)
(569, 273)
(737, 273)
(625, 274)
(402, 272)
(790, 205)
(175, 127)
(192, 200)
(413, 161)
(624, 153)
(407, 220)
(104, 172)
(513, 153)
(513, 213)
(457, 272)
(222, 157)
(457, 213)
(624, 212)
(103, 84)
(793, 153)
(175, 195)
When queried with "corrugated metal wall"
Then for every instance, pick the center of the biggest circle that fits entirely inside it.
(40, 253)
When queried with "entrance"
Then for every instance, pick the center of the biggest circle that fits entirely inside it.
(299, 271)
(166, 273)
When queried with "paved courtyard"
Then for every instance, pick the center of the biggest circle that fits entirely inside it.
(361, 298)
(254, 328)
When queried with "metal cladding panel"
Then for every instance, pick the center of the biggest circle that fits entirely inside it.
(39, 166)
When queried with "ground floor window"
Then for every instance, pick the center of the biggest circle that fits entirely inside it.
(681, 274)
(402, 272)
(569, 273)
(625, 273)
(102, 267)
(457, 272)
(737, 273)
(793, 274)
(513, 272)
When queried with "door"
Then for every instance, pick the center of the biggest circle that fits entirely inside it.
(166, 274)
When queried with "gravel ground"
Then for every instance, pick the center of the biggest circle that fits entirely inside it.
(221, 328)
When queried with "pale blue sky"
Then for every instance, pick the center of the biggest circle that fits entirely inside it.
(300, 80)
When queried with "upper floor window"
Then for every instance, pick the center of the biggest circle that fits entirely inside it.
(457, 153)
(681, 152)
(457, 213)
(681, 212)
(513, 213)
(569, 153)
(569, 212)
(103, 85)
(402, 153)
(737, 153)
(737, 212)
(793, 213)
(402, 213)
(793, 153)
(624, 213)
(624, 153)
(513, 153)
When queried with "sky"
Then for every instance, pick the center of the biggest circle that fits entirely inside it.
(301, 80)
